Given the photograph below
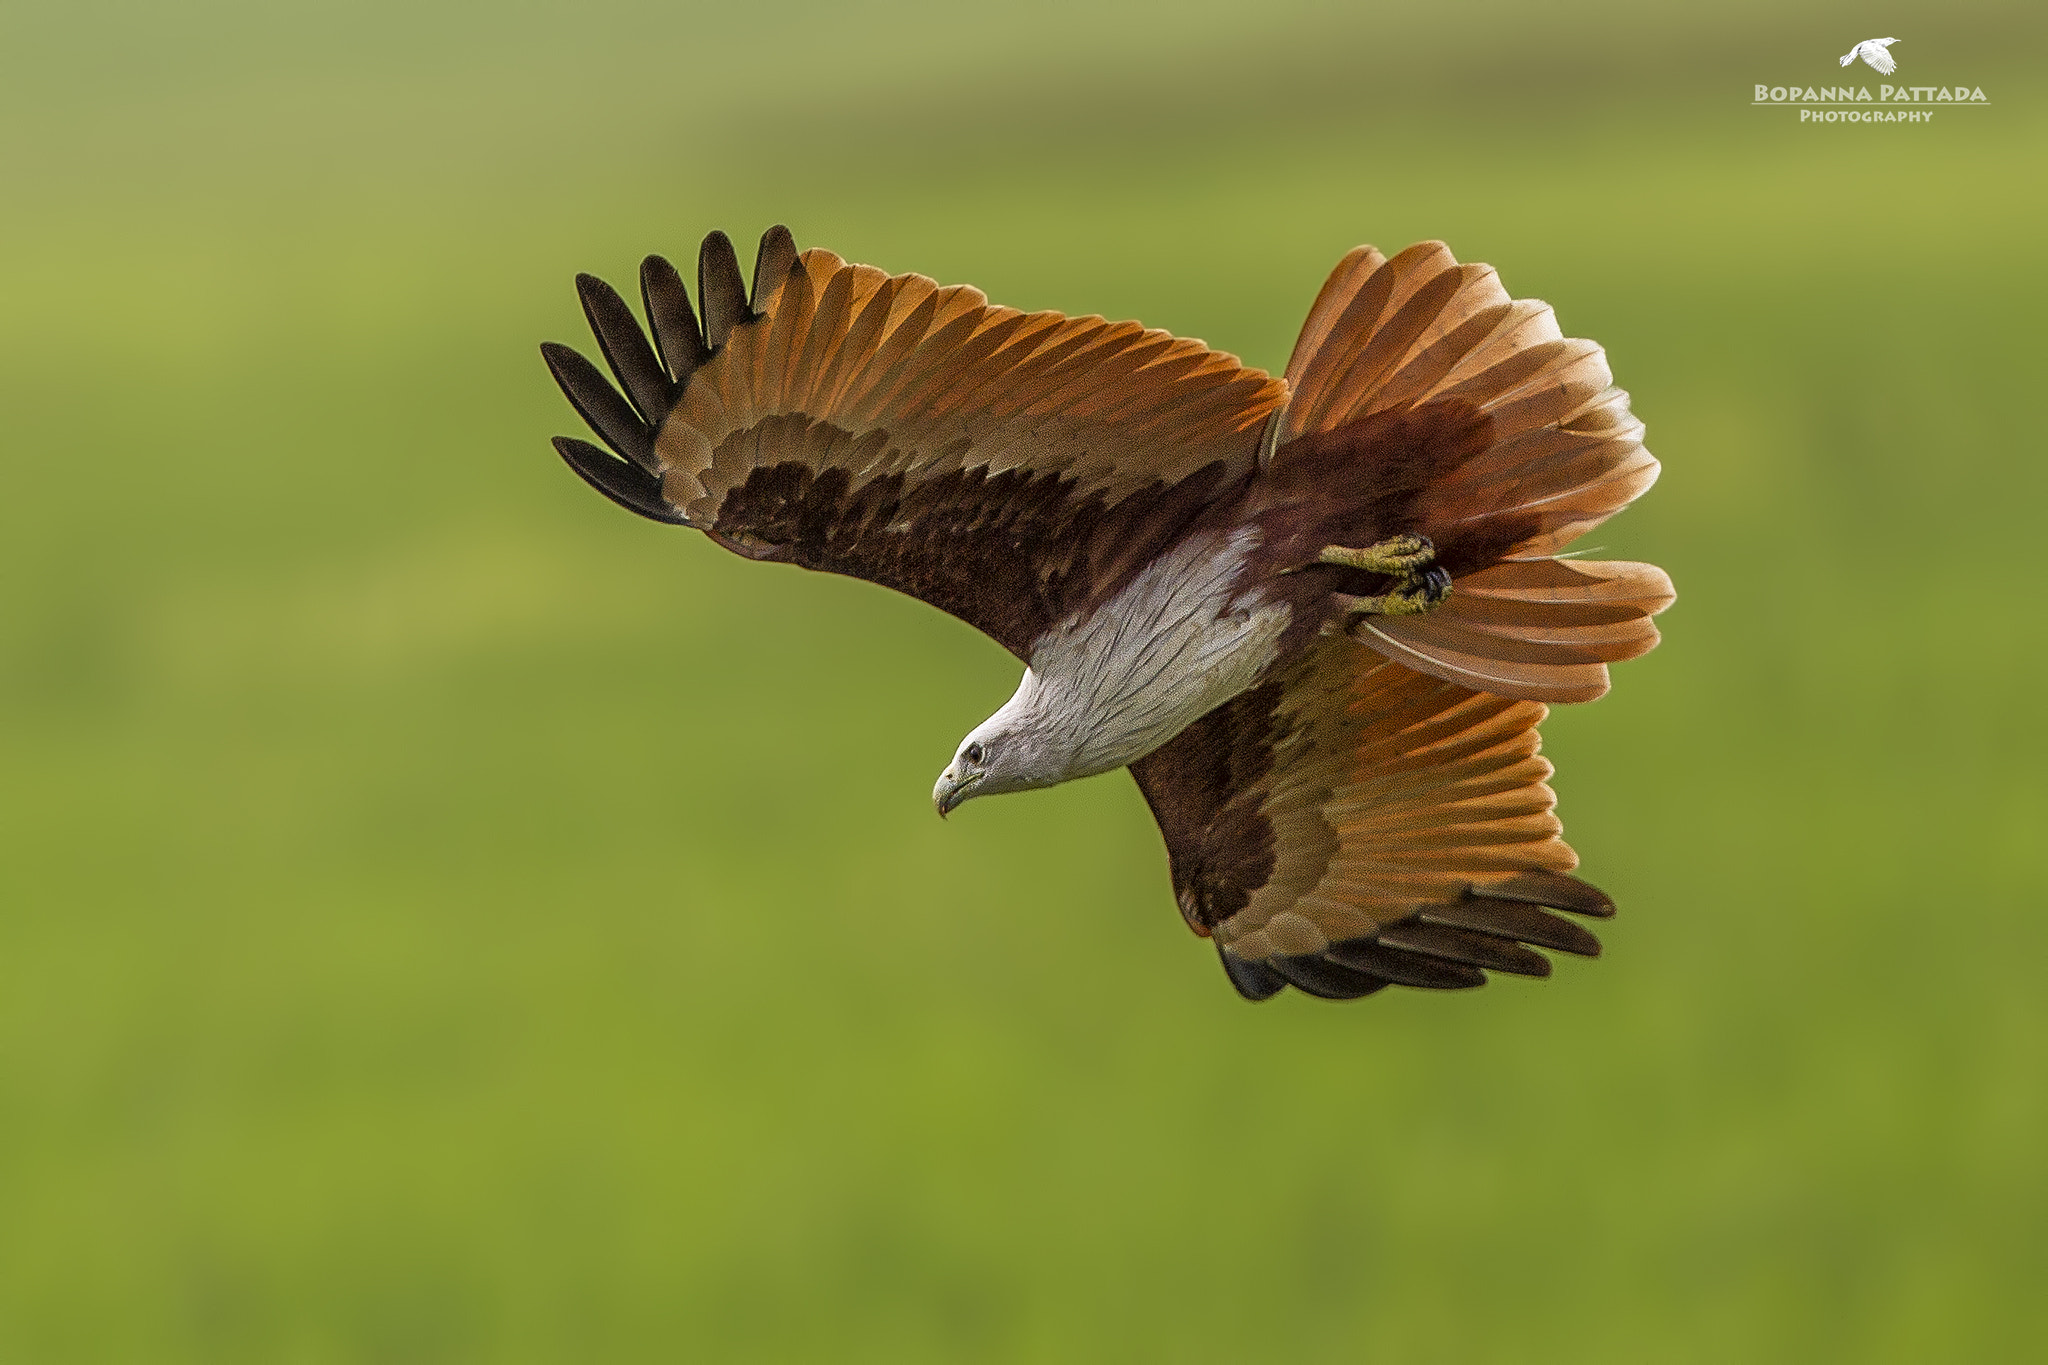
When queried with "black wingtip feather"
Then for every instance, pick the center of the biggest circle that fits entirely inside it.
(628, 485)
(720, 289)
(1319, 975)
(1254, 980)
(1463, 945)
(1404, 968)
(677, 338)
(634, 363)
(1553, 889)
(599, 404)
(1514, 920)
(1441, 947)
(774, 262)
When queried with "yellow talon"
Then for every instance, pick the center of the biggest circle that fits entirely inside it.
(1408, 559)
(1409, 599)
(1402, 556)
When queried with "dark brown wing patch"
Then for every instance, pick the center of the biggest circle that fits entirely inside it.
(1046, 552)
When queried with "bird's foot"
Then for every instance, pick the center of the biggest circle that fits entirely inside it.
(1409, 560)
(1402, 556)
(1410, 597)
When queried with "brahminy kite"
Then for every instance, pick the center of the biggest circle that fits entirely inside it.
(1317, 616)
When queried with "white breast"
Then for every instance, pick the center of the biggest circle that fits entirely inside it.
(1171, 647)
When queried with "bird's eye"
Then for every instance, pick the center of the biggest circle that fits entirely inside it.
(974, 752)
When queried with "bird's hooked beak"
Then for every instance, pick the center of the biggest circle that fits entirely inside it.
(953, 788)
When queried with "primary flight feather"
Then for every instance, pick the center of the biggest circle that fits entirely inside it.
(1316, 616)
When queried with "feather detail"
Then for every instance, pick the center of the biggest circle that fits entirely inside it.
(719, 286)
(627, 485)
(600, 405)
(1544, 629)
(626, 350)
(669, 316)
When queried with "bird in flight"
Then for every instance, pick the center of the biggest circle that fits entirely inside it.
(1317, 616)
(1876, 53)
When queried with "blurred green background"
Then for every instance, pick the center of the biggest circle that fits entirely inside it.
(443, 918)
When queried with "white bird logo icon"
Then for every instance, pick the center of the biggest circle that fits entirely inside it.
(1876, 52)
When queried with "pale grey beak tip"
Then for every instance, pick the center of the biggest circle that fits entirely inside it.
(950, 792)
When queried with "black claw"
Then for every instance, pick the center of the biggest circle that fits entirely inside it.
(677, 338)
(599, 404)
(634, 363)
(630, 486)
(720, 289)
(775, 260)
(1433, 587)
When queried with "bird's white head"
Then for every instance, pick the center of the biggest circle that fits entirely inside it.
(1013, 750)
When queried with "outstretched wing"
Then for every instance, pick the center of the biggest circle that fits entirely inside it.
(1352, 824)
(1545, 449)
(1006, 467)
